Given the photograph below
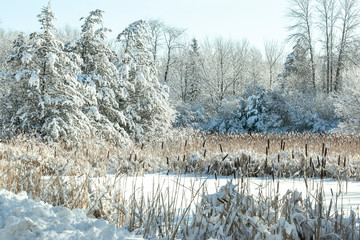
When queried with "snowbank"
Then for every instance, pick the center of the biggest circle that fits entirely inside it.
(23, 218)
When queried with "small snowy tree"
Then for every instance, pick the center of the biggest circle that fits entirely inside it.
(46, 97)
(193, 72)
(148, 106)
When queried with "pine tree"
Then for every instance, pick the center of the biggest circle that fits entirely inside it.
(148, 107)
(193, 69)
(297, 69)
(100, 72)
(46, 98)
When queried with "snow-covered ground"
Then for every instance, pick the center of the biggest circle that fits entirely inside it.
(185, 186)
(22, 218)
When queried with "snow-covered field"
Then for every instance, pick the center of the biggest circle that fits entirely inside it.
(23, 218)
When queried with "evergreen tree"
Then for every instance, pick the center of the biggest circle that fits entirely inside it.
(99, 72)
(297, 69)
(46, 97)
(193, 69)
(148, 107)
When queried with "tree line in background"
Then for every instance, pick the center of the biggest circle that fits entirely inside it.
(63, 84)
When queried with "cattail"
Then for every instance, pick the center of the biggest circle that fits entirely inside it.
(234, 173)
(108, 154)
(215, 176)
(278, 158)
(265, 166)
(339, 160)
(135, 159)
(221, 149)
(142, 146)
(283, 148)
(281, 144)
(267, 151)
(268, 143)
(55, 153)
(204, 143)
(208, 171)
(162, 145)
(167, 160)
(204, 153)
(306, 150)
(184, 158)
(186, 142)
(345, 162)
(326, 149)
(323, 149)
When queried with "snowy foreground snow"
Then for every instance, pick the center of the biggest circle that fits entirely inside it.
(23, 218)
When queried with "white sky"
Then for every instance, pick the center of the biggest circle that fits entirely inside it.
(256, 20)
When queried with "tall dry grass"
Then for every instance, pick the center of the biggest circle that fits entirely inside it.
(77, 177)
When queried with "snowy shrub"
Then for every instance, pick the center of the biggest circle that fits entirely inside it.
(251, 115)
(189, 115)
(307, 112)
(232, 213)
(348, 109)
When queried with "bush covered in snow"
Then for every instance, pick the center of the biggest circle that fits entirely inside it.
(274, 111)
(232, 213)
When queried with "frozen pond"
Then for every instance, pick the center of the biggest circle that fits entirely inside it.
(181, 190)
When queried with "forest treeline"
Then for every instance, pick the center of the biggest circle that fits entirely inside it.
(63, 84)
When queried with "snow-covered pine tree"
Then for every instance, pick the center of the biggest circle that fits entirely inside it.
(148, 106)
(297, 73)
(46, 99)
(193, 69)
(99, 72)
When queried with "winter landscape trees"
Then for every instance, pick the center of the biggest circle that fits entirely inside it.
(123, 94)
(81, 88)
(81, 114)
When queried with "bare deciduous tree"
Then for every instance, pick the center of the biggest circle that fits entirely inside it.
(328, 16)
(156, 27)
(350, 21)
(302, 16)
(273, 53)
(172, 37)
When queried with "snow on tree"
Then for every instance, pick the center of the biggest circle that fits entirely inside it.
(99, 72)
(347, 107)
(251, 115)
(46, 98)
(193, 72)
(148, 106)
(297, 69)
